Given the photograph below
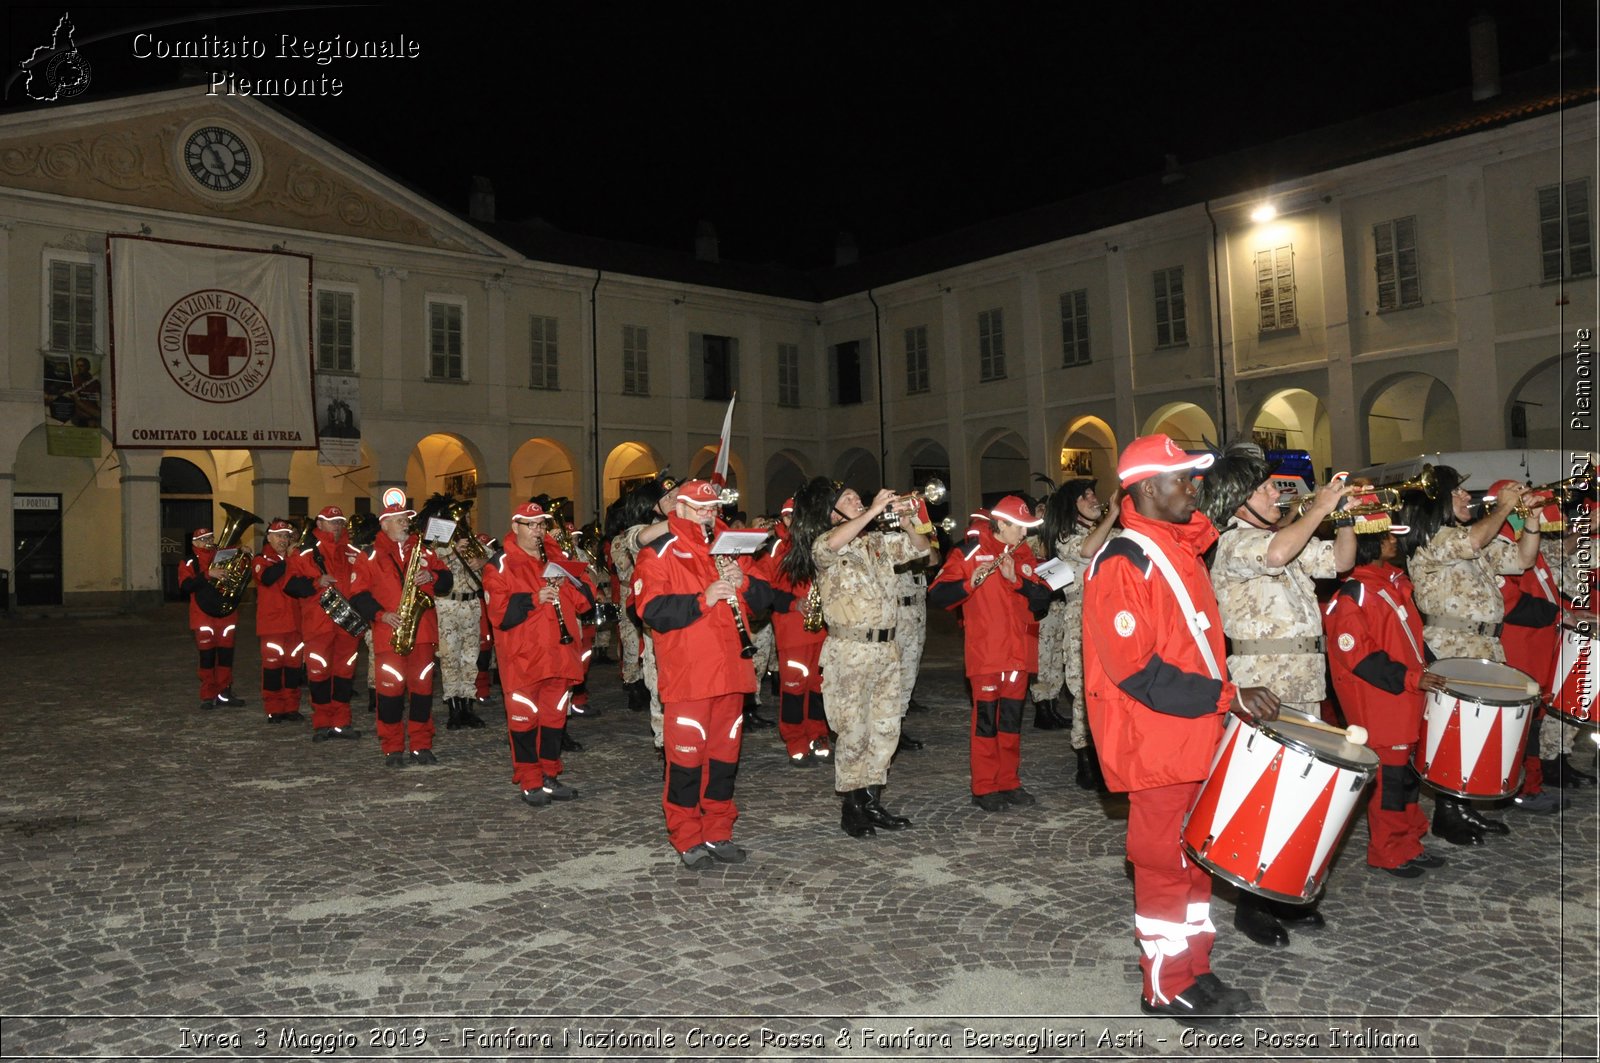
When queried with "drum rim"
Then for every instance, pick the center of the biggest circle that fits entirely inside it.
(1468, 794)
(1300, 746)
(1500, 701)
(1241, 883)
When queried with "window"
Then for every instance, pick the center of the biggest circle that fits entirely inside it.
(635, 360)
(336, 331)
(445, 327)
(991, 346)
(1564, 226)
(1075, 327)
(1172, 330)
(917, 360)
(1275, 287)
(713, 366)
(72, 307)
(788, 374)
(1399, 283)
(542, 353)
(844, 373)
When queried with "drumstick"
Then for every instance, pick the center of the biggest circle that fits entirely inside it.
(1355, 734)
(1530, 687)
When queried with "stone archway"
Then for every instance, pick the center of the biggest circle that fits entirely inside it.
(1294, 419)
(442, 463)
(1003, 467)
(858, 470)
(1533, 415)
(348, 487)
(627, 464)
(1088, 447)
(786, 472)
(542, 466)
(1186, 424)
(1410, 414)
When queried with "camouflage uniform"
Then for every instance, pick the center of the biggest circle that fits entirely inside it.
(861, 679)
(622, 559)
(766, 658)
(1072, 630)
(624, 554)
(1456, 583)
(911, 628)
(1259, 601)
(458, 631)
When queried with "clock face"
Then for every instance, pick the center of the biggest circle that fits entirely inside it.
(217, 158)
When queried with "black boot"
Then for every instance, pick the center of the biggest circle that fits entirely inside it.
(853, 814)
(468, 717)
(1063, 719)
(1470, 813)
(638, 696)
(1044, 718)
(1252, 919)
(1451, 825)
(454, 722)
(372, 699)
(570, 744)
(907, 742)
(1088, 769)
(879, 816)
(1558, 771)
(753, 720)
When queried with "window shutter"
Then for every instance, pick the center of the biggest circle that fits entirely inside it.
(1580, 245)
(1550, 231)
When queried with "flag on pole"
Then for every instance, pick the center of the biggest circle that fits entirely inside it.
(719, 472)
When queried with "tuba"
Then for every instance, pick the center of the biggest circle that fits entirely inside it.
(236, 577)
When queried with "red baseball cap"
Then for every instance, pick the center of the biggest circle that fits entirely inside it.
(280, 525)
(485, 538)
(1016, 511)
(200, 533)
(700, 493)
(331, 513)
(528, 513)
(1152, 455)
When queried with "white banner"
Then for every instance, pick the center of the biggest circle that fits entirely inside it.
(211, 346)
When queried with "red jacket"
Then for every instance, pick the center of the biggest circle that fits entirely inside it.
(375, 588)
(1375, 667)
(276, 612)
(205, 604)
(788, 597)
(527, 635)
(332, 556)
(1532, 633)
(1153, 706)
(697, 647)
(1000, 617)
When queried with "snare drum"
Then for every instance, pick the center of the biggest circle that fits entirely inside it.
(342, 613)
(1575, 678)
(1474, 731)
(1278, 798)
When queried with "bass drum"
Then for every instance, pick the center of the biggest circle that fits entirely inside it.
(341, 612)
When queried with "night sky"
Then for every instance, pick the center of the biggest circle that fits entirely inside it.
(783, 123)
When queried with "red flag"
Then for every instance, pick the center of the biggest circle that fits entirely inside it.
(719, 472)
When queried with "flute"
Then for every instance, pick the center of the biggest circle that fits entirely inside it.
(988, 569)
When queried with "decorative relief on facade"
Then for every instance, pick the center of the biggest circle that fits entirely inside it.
(119, 160)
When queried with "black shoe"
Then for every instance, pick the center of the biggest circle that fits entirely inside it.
(1428, 860)
(1191, 1007)
(454, 722)
(208, 704)
(558, 791)
(916, 706)
(821, 750)
(698, 858)
(753, 720)
(1450, 825)
(1089, 776)
(638, 696)
(284, 717)
(536, 798)
(853, 815)
(802, 760)
(907, 743)
(226, 699)
(342, 732)
(1223, 997)
(1252, 919)
(1019, 797)
(423, 756)
(1299, 916)
(1409, 869)
(322, 734)
(372, 699)
(586, 711)
(990, 802)
(1544, 803)
(1063, 719)
(879, 816)
(468, 717)
(397, 759)
(1470, 813)
(726, 852)
(570, 744)
(1043, 718)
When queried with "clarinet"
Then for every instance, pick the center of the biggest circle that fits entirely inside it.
(989, 569)
(555, 581)
(724, 563)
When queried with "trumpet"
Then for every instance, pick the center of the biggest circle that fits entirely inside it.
(1538, 496)
(933, 492)
(1378, 504)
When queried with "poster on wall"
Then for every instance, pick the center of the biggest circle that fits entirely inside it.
(210, 346)
(338, 419)
(72, 405)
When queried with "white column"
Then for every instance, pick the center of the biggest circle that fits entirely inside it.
(1125, 422)
(1033, 369)
(390, 352)
(752, 404)
(963, 475)
(271, 484)
(1343, 427)
(141, 528)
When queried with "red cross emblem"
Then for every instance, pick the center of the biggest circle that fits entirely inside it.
(215, 345)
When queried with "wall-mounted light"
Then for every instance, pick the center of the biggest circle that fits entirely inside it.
(1263, 214)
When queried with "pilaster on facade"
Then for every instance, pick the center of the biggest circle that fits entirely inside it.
(1477, 378)
(1125, 422)
(141, 527)
(390, 353)
(752, 400)
(270, 485)
(963, 463)
(497, 372)
(678, 378)
(1219, 296)
(1344, 429)
(1036, 433)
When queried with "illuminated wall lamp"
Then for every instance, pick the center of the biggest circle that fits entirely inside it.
(1263, 214)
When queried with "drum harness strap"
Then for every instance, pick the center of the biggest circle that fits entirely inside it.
(1401, 613)
(1253, 647)
(1198, 623)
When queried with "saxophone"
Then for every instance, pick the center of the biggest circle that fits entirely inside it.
(413, 603)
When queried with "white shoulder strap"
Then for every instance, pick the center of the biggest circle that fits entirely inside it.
(1401, 613)
(1198, 622)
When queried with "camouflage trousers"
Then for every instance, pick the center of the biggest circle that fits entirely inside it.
(458, 647)
(604, 638)
(647, 670)
(1555, 737)
(911, 634)
(861, 682)
(628, 635)
(1052, 653)
(1072, 656)
(766, 658)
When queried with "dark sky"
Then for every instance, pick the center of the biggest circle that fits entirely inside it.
(785, 122)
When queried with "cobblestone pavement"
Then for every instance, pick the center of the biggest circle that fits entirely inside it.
(181, 884)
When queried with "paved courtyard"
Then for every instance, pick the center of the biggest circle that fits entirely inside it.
(179, 884)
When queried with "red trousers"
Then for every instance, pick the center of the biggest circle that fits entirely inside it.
(800, 716)
(330, 673)
(536, 717)
(214, 640)
(1395, 822)
(996, 732)
(1171, 893)
(396, 676)
(703, 739)
(281, 658)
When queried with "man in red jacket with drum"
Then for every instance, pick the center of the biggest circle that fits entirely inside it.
(692, 606)
(1156, 687)
(330, 652)
(278, 626)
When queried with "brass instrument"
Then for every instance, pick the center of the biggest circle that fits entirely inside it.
(414, 601)
(1538, 496)
(554, 581)
(932, 492)
(466, 544)
(236, 569)
(306, 538)
(361, 529)
(811, 614)
(1374, 515)
(989, 568)
(728, 569)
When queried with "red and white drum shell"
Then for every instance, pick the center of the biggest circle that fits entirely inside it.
(1474, 731)
(1278, 798)
(1575, 678)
